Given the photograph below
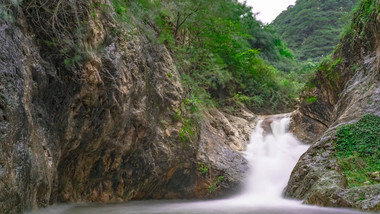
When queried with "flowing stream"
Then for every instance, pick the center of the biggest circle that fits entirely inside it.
(271, 155)
(271, 158)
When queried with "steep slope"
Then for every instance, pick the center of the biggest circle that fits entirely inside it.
(344, 89)
(108, 125)
(312, 27)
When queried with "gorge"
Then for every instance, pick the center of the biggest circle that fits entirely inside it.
(272, 154)
(100, 104)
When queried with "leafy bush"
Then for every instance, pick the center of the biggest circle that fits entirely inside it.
(311, 99)
(358, 149)
(221, 51)
(203, 168)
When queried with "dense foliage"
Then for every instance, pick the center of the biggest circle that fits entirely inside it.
(364, 12)
(224, 55)
(313, 27)
(358, 150)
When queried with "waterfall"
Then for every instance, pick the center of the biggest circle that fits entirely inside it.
(271, 155)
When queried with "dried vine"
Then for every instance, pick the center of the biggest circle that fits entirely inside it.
(8, 8)
(58, 23)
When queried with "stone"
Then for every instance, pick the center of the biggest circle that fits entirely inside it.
(103, 130)
(317, 178)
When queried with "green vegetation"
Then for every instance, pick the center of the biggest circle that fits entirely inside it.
(4, 14)
(60, 27)
(203, 168)
(364, 12)
(311, 99)
(176, 116)
(313, 28)
(328, 68)
(224, 55)
(8, 8)
(214, 185)
(187, 130)
(358, 150)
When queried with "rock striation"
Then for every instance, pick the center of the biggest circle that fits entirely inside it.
(341, 92)
(106, 129)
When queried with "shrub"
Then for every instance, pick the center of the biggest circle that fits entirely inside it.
(202, 168)
(311, 99)
(358, 150)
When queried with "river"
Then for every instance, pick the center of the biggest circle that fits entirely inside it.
(271, 155)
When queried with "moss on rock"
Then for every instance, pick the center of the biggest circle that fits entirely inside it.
(358, 151)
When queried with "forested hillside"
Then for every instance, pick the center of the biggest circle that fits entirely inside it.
(224, 55)
(312, 28)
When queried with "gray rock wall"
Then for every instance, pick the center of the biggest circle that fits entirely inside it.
(104, 130)
(317, 178)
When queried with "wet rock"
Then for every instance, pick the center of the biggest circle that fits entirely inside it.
(268, 120)
(104, 130)
(221, 150)
(354, 92)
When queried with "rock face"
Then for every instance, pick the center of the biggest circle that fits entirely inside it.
(343, 92)
(106, 129)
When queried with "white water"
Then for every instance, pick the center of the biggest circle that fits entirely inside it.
(271, 159)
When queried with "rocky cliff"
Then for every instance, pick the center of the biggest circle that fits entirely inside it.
(107, 125)
(344, 89)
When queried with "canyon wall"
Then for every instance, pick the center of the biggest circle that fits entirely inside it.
(344, 89)
(109, 128)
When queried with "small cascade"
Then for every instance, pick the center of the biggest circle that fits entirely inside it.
(272, 155)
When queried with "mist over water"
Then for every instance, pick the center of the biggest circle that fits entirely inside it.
(271, 157)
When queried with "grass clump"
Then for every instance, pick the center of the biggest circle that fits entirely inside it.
(358, 150)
